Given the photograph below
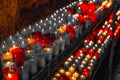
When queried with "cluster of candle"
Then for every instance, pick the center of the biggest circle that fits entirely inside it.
(88, 11)
(35, 46)
(117, 30)
(80, 65)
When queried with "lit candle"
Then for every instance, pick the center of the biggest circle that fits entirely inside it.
(7, 55)
(33, 66)
(54, 78)
(29, 54)
(57, 75)
(23, 74)
(24, 32)
(62, 29)
(73, 78)
(41, 60)
(81, 67)
(48, 52)
(10, 73)
(56, 49)
(23, 44)
(62, 44)
(66, 37)
(75, 74)
(82, 77)
(78, 10)
(31, 41)
(61, 71)
(86, 72)
(71, 69)
(68, 74)
(17, 53)
(66, 64)
(9, 64)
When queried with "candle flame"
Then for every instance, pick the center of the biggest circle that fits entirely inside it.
(48, 49)
(9, 75)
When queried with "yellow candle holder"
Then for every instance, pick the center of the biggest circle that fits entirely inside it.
(31, 41)
(62, 29)
(88, 57)
(13, 47)
(75, 75)
(68, 74)
(7, 55)
(61, 71)
(54, 78)
(73, 78)
(9, 63)
(71, 69)
(82, 76)
(57, 75)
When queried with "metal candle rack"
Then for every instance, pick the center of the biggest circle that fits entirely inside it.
(51, 68)
(48, 70)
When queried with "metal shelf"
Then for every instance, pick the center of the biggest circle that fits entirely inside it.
(51, 68)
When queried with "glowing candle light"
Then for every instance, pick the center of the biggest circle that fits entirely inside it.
(86, 72)
(31, 41)
(57, 75)
(71, 69)
(61, 71)
(68, 74)
(75, 74)
(9, 64)
(10, 73)
(66, 64)
(7, 55)
(48, 51)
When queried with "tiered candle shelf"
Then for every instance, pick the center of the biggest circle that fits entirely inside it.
(38, 51)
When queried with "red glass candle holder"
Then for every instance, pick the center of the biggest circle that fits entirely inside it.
(10, 73)
(18, 54)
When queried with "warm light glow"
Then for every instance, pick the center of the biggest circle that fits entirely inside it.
(7, 55)
(9, 63)
(9, 75)
(76, 75)
(68, 74)
(47, 49)
(71, 69)
(57, 75)
(82, 66)
(31, 41)
(61, 71)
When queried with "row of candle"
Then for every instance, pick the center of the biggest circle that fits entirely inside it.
(34, 46)
(117, 30)
(79, 65)
(40, 37)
